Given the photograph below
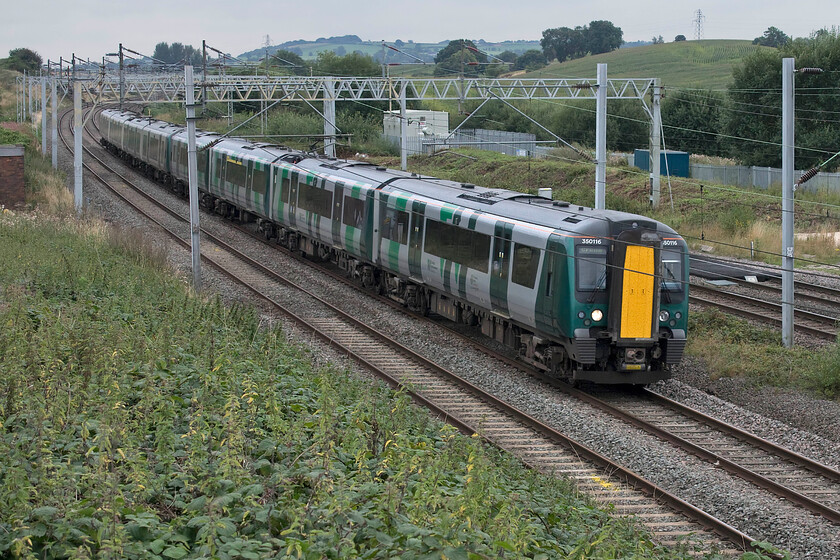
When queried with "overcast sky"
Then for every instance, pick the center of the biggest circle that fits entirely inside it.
(90, 28)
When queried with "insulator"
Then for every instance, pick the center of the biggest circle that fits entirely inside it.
(810, 70)
(808, 175)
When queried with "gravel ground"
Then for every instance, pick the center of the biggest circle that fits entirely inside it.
(805, 424)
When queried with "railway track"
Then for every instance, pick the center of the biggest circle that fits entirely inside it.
(821, 326)
(464, 405)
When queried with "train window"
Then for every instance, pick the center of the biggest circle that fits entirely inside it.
(220, 169)
(154, 147)
(354, 211)
(235, 172)
(281, 181)
(182, 156)
(258, 180)
(672, 271)
(315, 200)
(201, 159)
(591, 266)
(526, 261)
(395, 225)
(463, 246)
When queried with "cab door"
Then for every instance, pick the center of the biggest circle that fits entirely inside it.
(500, 267)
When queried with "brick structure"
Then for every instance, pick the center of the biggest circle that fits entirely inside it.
(12, 194)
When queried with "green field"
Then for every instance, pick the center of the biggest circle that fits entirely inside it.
(692, 64)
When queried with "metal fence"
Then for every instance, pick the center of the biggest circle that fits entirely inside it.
(760, 177)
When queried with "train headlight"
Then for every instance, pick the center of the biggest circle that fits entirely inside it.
(664, 315)
(581, 314)
(597, 315)
(677, 315)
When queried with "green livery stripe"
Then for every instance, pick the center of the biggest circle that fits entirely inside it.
(393, 255)
(446, 212)
(447, 269)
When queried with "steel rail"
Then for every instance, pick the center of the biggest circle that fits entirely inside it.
(777, 322)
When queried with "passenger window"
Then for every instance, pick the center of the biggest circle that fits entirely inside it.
(201, 161)
(466, 247)
(281, 181)
(315, 200)
(354, 212)
(235, 172)
(526, 261)
(395, 225)
(258, 180)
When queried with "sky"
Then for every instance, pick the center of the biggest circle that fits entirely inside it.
(91, 28)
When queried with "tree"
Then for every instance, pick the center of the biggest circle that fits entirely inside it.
(679, 38)
(563, 43)
(23, 59)
(693, 120)
(456, 47)
(354, 64)
(507, 56)
(460, 56)
(178, 53)
(773, 37)
(530, 60)
(657, 40)
(754, 92)
(289, 62)
(602, 36)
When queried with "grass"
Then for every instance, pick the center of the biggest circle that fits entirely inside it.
(692, 64)
(733, 347)
(141, 421)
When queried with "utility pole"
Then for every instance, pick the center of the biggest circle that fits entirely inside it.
(204, 76)
(329, 117)
(787, 200)
(55, 122)
(44, 110)
(403, 128)
(122, 77)
(655, 144)
(77, 146)
(601, 139)
(192, 173)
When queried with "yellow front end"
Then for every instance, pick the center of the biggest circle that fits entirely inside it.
(638, 293)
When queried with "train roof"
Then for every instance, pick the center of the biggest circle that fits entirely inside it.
(555, 214)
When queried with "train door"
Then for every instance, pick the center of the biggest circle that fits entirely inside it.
(635, 285)
(500, 267)
(523, 287)
(293, 194)
(554, 273)
(337, 214)
(415, 239)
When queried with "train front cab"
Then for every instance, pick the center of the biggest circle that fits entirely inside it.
(643, 331)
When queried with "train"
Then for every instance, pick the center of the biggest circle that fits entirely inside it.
(583, 294)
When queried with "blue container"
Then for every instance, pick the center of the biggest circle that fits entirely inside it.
(677, 162)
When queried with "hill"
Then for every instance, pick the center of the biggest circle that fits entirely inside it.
(346, 44)
(702, 64)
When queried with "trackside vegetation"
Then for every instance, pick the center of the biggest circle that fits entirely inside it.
(138, 420)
